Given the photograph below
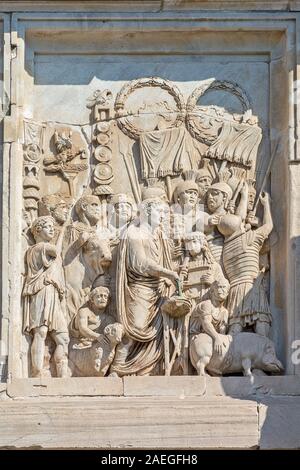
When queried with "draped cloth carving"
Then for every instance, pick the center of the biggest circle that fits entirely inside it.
(139, 297)
(164, 152)
(236, 143)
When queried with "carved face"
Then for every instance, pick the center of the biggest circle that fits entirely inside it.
(188, 198)
(215, 199)
(123, 211)
(220, 290)
(204, 183)
(46, 232)
(194, 246)
(61, 212)
(100, 298)
(92, 211)
(157, 211)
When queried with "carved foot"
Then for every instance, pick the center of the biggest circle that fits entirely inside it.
(113, 374)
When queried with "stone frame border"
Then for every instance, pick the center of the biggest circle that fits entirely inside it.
(288, 24)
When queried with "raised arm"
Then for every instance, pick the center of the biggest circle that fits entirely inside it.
(267, 220)
(242, 207)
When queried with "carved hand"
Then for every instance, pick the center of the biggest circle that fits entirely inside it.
(218, 345)
(183, 271)
(245, 188)
(83, 237)
(264, 198)
(173, 276)
(214, 220)
(178, 251)
(231, 207)
(207, 279)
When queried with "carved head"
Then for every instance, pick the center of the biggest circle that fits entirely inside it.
(88, 208)
(62, 141)
(204, 180)
(251, 194)
(270, 363)
(186, 194)
(99, 297)
(220, 289)
(153, 211)
(43, 228)
(194, 242)
(97, 252)
(55, 205)
(115, 332)
(154, 191)
(218, 196)
(124, 208)
(229, 224)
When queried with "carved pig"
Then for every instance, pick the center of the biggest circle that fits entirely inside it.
(240, 353)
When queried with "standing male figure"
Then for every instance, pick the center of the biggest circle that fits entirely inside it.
(144, 267)
(43, 293)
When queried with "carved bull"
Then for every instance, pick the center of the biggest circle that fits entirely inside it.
(85, 264)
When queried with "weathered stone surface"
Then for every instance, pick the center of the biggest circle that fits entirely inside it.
(164, 386)
(256, 387)
(279, 426)
(85, 386)
(114, 309)
(125, 423)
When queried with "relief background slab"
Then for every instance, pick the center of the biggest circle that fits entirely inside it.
(61, 60)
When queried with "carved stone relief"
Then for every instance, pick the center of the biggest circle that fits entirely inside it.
(167, 279)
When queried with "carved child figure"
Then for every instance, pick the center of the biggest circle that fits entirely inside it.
(91, 319)
(199, 269)
(43, 294)
(210, 316)
(98, 335)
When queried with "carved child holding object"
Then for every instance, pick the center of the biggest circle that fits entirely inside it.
(91, 318)
(98, 335)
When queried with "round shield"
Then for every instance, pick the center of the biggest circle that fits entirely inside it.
(103, 154)
(103, 173)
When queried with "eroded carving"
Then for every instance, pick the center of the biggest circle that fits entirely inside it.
(166, 276)
(62, 161)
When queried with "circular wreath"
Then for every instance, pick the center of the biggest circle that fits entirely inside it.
(128, 128)
(223, 85)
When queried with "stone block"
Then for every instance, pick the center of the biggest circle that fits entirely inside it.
(75, 386)
(259, 386)
(279, 424)
(126, 423)
(180, 386)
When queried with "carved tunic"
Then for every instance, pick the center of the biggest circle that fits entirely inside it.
(247, 301)
(43, 290)
(219, 318)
